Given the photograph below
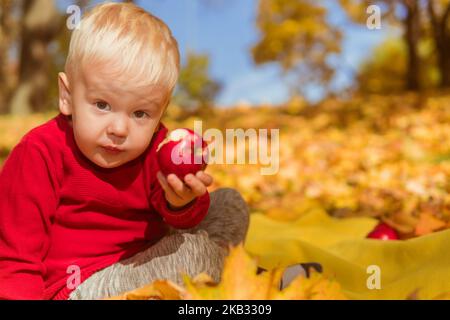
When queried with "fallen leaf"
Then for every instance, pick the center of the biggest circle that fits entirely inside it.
(157, 290)
(428, 223)
(240, 281)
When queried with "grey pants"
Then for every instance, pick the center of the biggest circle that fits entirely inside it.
(191, 251)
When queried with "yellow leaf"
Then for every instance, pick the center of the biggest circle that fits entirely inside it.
(317, 287)
(240, 281)
(157, 290)
(405, 266)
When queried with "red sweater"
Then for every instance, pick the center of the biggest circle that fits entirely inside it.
(59, 210)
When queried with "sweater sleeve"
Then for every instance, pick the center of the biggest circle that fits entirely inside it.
(185, 218)
(188, 217)
(27, 205)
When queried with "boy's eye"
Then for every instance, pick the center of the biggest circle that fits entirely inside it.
(101, 105)
(140, 114)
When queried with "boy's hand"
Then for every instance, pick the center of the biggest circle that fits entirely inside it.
(179, 194)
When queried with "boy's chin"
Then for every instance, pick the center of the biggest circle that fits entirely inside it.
(107, 163)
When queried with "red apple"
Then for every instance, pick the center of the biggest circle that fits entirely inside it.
(383, 232)
(182, 151)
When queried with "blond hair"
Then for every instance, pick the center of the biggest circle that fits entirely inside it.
(137, 42)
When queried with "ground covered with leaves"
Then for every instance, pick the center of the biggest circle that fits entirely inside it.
(344, 166)
(382, 157)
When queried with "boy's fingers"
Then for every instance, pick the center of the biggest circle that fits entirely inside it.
(205, 178)
(178, 186)
(196, 185)
(170, 193)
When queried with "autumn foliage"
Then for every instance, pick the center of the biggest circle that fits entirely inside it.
(381, 158)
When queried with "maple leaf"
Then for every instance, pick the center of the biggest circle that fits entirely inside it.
(240, 281)
(428, 223)
(316, 287)
(157, 290)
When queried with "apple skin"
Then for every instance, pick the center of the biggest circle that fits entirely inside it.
(383, 232)
(182, 152)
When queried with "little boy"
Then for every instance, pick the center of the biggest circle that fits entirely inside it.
(84, 211)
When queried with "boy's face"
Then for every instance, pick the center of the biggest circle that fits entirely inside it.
(110, 112)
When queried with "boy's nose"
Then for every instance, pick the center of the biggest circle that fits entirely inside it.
(118, 127)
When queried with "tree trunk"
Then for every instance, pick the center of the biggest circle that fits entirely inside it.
(412, 36)
(444, 62)
(40, 24)
(441, 34)
(6, 38)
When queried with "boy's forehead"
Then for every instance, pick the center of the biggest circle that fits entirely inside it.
(101, 80)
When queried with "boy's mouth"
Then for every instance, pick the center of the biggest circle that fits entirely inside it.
(112, 149)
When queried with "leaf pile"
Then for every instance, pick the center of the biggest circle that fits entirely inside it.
(382, 157)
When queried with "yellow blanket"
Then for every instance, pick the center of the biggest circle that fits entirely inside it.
(419, 267)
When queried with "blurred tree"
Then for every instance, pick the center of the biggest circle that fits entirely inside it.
(403, 13)
(372, 76)
(297, 35)
(378, 74)
(40, 23)
(412, 37)
(8, 35)
(439, 14)
(34, 42)
(196, 90)
(419, 20)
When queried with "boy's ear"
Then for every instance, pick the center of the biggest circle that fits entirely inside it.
(65, 100)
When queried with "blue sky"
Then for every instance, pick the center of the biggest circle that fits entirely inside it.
(226, 30)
